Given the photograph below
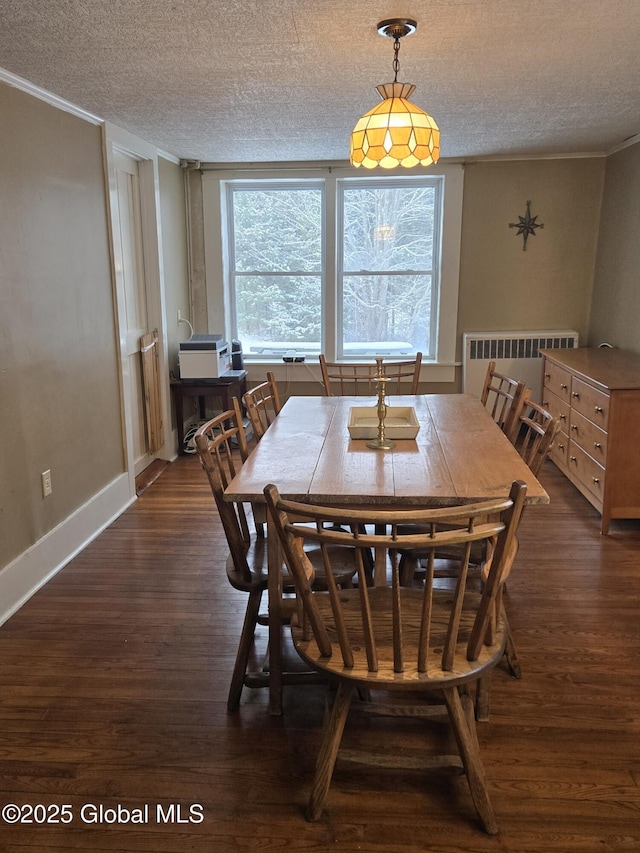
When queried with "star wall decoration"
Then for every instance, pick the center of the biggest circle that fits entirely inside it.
(526, 225)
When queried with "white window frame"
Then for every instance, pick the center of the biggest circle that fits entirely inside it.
(440, 368)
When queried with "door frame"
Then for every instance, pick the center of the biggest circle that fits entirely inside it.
(116, 139)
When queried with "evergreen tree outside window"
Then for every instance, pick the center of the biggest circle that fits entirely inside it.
(275, 252)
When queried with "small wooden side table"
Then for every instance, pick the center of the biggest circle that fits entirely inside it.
(231, 384)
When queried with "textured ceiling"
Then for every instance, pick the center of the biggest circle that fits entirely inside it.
(277, 80)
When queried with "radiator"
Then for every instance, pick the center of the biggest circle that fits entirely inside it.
(516, 354)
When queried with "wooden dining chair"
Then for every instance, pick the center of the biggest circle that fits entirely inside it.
(263, 405)
(534, 434)
(222, 447)
(359, 378)
(246, 564)
(535, 431)
(440, 638)
(504, 398)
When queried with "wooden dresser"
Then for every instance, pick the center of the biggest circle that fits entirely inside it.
(596, 394)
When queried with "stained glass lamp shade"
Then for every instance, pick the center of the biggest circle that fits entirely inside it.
(396, 132)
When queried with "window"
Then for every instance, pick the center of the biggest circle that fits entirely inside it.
(326, 262)
(275, 265)
(388, 278)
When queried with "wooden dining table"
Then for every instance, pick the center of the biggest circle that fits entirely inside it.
(458, 456)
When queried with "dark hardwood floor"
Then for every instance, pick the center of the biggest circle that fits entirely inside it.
(113, 683)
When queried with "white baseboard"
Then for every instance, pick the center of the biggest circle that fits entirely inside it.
(20, 579)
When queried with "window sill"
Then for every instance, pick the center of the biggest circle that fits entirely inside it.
(309, 370)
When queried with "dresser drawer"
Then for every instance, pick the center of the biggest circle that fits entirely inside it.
(586, 469)
(588, 436)
(560, 449)
(557, 407)
(557, 380)
(590, 402)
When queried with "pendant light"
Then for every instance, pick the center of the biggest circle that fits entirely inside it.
(396, 132)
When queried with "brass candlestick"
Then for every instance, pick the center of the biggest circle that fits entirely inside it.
(381, 442)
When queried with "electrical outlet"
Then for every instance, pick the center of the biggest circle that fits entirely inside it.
(47, 488)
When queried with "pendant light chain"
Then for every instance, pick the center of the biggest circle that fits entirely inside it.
(396, 61)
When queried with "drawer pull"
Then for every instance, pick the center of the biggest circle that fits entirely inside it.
(597, 445)
(561, 447)
(563, 417)
(595, 479)
(573, 458)
(575, 394)
(547, 376)
(598, 409)
(574, 427)
(563, 386)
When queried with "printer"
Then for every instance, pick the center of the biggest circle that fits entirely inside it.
(204, 357)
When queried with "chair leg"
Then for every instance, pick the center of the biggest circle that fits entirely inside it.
(464, 730)
(510, 652)
(259, 518)
(483, 698)
(331, 737)
(244, 649)
(470, 713)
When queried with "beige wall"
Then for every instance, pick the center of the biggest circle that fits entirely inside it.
(615, 309)
(60, 398)
(548, 286)
(59, 393)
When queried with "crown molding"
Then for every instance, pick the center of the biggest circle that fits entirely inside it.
(48, 97)
(506, 158)
(630, 140)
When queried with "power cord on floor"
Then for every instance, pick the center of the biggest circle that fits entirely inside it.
(189, 444)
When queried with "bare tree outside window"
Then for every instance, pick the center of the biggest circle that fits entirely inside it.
(387, 269)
